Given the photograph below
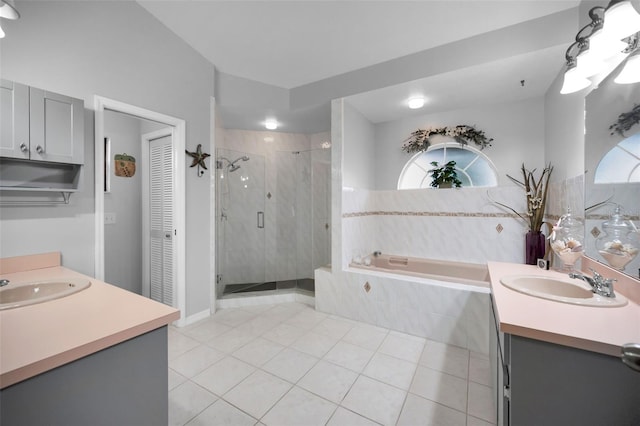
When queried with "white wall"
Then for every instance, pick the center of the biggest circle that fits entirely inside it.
(116, 50)
(517, 129)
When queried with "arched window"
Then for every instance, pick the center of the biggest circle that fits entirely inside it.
(621, 164)
(473, 167)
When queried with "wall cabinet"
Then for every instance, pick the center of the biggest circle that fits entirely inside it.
(540, 383)
(40, 125)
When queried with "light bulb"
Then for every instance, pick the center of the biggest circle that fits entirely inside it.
(415, 103)
(621, 20)
(573, 81)
(271, 124)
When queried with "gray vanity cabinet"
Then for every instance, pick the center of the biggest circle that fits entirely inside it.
(40, 125)
(541, 383)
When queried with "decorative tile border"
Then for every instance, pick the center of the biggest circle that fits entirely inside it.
(430, 214)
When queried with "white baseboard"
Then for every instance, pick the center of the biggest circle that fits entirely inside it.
(266, 299)
(193, 318)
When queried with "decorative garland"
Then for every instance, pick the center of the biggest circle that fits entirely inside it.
(462, 133)
(626, 120)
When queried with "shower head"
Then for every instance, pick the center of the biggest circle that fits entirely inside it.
(233, 166)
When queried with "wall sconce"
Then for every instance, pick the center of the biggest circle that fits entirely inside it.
(612, 31)
(7, 11)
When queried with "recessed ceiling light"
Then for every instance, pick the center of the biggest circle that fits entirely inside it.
(416, 102)
(271, 124)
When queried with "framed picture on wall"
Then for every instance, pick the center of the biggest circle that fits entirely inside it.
(107, 165)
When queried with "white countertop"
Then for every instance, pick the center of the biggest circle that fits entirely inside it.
(596, 329)
(40, 337)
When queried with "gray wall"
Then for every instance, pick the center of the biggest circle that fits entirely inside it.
(517, 129)
(119, 51)
(359, 150)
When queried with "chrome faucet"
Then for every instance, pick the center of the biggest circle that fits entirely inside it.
(3, 282)
(599, 285)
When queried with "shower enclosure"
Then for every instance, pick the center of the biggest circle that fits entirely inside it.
(273, 220)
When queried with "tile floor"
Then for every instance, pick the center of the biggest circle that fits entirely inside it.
(287, 364)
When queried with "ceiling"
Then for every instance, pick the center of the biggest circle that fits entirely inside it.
(298, 45)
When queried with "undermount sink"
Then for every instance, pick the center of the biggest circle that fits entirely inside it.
(560, 290)
(30, 293)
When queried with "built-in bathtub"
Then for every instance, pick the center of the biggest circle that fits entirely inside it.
(440, 300)
(441, 270)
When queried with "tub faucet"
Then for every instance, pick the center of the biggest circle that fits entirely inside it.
(599, 285)
(377, 253)
(3, 282)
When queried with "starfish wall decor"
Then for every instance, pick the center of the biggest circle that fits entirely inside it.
(198, 159)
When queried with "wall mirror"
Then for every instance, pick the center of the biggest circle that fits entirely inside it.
(612, 174)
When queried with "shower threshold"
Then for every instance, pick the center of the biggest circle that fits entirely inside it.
(304, 284)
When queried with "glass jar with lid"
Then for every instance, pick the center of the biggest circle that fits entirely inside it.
(619, 243)
(567, 240)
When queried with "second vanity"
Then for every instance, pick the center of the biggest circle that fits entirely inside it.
(556, 363)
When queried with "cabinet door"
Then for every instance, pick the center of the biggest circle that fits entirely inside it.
(56, 127)
(14, 120)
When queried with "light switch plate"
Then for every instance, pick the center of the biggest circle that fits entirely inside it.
(109, 218)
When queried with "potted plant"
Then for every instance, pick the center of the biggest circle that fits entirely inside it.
(444, 176)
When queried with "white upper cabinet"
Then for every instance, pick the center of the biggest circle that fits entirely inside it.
(40, 125)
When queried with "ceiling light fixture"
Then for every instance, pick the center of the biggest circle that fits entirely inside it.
(7, 11)
(613, 31)
(271, 124)
(416, 102)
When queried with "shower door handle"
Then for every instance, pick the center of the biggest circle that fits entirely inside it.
(260, 219)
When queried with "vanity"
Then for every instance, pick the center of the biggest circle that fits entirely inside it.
(557, 363)
(96, 356)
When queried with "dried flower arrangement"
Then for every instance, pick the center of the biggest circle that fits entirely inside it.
(462, 133)
(536, 193)
(626, 120)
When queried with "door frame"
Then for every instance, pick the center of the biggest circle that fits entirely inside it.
(179, 138)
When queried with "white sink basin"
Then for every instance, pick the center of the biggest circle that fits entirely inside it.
(565, 291)
(30, 293)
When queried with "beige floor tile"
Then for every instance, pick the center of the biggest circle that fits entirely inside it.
(258, 351)
(314, 344)
(205, 330)
(186, 401)
(481, 402)
(299, 407)
(480, 371)
(420, 411)
(224, 375)
(392, 371)
(366, 336)
(257, 393)
(284, 334)
(446, 358)
(344, 417)
(179, 343)
(231, 340)
(409, 349)
(233, 316)
(175, 379)
(375, 400)
(333, 327)
(290, 364)
(440, 387)
(349, 356)
(195, 361)
(329, 381)
(221, 413)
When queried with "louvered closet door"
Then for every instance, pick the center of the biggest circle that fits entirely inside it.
(161, 227)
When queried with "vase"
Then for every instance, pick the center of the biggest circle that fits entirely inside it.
(534, 247)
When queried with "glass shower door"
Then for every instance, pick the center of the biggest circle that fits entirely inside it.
(240, 215)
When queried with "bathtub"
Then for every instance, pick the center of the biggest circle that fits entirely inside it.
(445, 301)
(442, 270)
